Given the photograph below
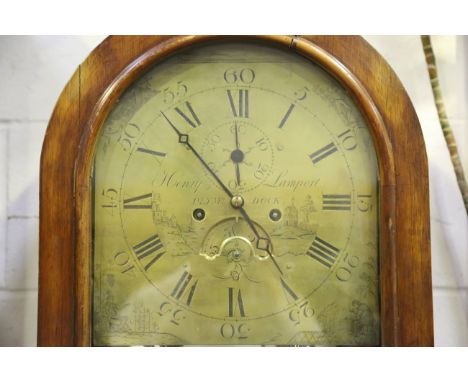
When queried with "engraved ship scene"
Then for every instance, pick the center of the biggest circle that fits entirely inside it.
(138, 322)
(133, 323)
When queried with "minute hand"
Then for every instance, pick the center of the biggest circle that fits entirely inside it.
(184, 139)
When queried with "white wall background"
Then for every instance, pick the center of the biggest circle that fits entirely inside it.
(34, 70)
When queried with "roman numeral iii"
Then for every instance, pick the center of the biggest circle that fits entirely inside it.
(336, 202)
(239, 106)
(323, 252)
(149, 251)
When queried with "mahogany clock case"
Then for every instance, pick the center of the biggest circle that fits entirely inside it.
(65, 191)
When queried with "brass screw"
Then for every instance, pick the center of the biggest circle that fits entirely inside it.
(198, 214)
(237, 201)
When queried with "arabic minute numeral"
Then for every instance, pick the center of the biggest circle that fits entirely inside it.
(364, 202)
(124, 262)
(245, 76)
(111, 198)
(170, 94)
(302, 93)
(299, 313)
(348, 140)
(175, 315)
(129, 135)
(344, 272)
(238, 331)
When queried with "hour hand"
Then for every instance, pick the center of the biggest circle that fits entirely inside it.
(183, 138)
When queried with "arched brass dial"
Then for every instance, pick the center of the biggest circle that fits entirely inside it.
(235, 203)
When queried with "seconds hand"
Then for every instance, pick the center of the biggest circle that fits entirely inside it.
(184, 139)
(237, 155)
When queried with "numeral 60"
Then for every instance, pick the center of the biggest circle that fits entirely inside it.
(245, 75)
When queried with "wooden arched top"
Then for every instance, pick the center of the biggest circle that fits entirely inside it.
(65, 245)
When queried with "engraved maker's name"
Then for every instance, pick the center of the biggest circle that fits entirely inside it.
(170, 180)
(282, 180)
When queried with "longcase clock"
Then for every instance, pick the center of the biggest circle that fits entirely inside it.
(222, 190)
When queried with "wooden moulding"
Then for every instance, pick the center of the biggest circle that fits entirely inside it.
(65, 190)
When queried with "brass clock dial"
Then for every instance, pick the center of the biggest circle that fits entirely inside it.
(235, 202)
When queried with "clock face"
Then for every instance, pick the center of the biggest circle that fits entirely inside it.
(235, 202)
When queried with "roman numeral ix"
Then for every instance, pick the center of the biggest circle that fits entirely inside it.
(325, 253)
(149, 251)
